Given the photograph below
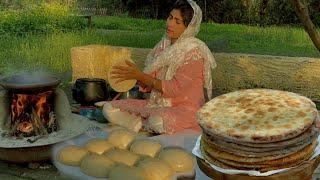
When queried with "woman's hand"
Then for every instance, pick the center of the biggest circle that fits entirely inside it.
(125, 73)
(139, 83)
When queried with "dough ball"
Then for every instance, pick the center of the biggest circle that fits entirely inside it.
(71, 155)
(178, 159)
(122, 156)
(122, 172)
(96, 165)
(156, 169)
(146, 147)
(121, 138)
(98, 146)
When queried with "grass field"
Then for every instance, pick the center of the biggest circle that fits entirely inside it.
(285, 41)
(51, 52)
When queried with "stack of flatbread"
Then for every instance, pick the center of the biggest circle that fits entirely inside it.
(258, 129)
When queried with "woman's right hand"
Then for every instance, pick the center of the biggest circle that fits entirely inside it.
(143, 88)
(139, 83)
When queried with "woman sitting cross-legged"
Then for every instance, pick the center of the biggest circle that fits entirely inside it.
(176, 70)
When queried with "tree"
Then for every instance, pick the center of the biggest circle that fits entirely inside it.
(156, 5)
(303, 15)
(262, 11)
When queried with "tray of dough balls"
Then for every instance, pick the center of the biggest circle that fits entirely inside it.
(122, 154)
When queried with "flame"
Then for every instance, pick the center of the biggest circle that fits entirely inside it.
(25, 127)
(40, 106)
(24, 108)
(18, 105)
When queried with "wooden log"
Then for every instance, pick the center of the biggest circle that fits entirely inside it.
(243, 71)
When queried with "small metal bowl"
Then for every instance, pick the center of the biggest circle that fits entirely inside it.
(133, 93)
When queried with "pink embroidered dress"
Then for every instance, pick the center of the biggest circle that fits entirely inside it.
(184, 69)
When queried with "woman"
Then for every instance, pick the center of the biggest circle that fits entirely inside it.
(176, 71)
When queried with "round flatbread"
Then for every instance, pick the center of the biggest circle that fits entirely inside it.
(257, 115)
(121, 172)
(122, 86)
(218, 154)
(229, 164)
(121, 138)
(71, 155)
(122, 156)
(156, 169)
(305, 136)
(178, 159)
(96, 165)
(98, 146)
(247, 151)
(146, 147)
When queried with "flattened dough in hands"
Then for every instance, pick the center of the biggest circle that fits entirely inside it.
(122, 86)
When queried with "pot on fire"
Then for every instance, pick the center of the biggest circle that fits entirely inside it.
(34, 115)
(30, 83)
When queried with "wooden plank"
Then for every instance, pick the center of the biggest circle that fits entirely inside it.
(244, 71)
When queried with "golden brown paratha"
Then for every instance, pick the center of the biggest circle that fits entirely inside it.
(258, 152)
(229, 164)
(305, 136)
(259, 167)
(229, 156)
(214, 161)
(257, 115)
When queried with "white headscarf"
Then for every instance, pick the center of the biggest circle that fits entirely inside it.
(173, 56)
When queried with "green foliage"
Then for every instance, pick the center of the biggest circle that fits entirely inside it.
(277, 12)
(43, 18)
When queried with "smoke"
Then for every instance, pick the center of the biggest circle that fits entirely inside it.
(20, 75)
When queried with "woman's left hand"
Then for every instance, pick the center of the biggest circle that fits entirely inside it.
(126, 72)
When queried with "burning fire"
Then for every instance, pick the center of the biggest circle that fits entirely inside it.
(32, 114)
(18, 105)
(42, 107)
(25, 127)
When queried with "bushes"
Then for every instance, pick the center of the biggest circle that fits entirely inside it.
(43, 18)
(273, 12)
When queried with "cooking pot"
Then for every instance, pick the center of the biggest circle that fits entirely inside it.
(30, 83)
(87, 91)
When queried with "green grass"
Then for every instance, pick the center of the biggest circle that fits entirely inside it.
(284, 41)
(51, 52)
